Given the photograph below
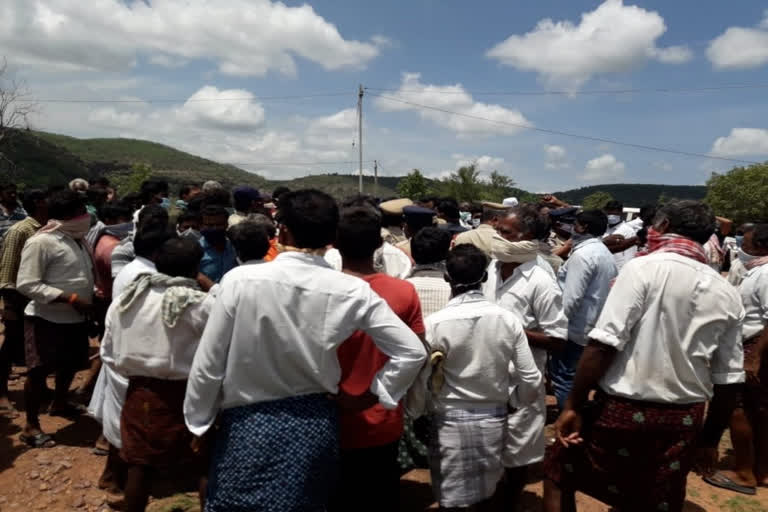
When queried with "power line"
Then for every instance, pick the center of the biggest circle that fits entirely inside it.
(568, 134)
(288, 164)
(581, 93)
(193, 100)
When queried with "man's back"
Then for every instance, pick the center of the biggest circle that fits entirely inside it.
(676, 324)
(434, 292)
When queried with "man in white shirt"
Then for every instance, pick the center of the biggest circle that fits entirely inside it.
(152, 332)
(620, 237)
(430, 247)
(487, 367)
(251, 242)
(749, 423)
(668, 340)
(267, 362)
(529, 291)
(56, 274)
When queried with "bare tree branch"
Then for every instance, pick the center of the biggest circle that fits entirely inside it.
(15, 104)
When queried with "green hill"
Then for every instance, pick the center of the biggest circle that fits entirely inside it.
(635, 195)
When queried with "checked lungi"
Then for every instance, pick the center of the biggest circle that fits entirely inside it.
(635, 455)
(465, 455)
(276, 456)
(754, 396)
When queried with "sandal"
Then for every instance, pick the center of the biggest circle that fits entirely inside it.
(720, 480)
(39, 440)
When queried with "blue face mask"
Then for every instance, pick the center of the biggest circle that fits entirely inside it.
(739, 240)
(614, 219)
(745, 257)
(165, 203)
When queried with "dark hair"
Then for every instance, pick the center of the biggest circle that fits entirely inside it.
(154, 215)
(466, 265)
(418, 222)
(115, 210)
(613, 206)
(96, 195)
(431, 199)
(595, 221)
(278, 192)
(262, 220)
(216, 197)
(359, 232)
(430, 245)
(66, 204)
(311, 216)
(149, 189)
(647, 213)
(149, 239)
(179, 258)
(99, 181)
(360, 200)
(251, 240)
(186, 189)
(133, 200)
(31, 198)
(532, 221)
(449, 209)
(691, 219)
(213, 210)
(188, 216)
(760, 236)
(243, 200)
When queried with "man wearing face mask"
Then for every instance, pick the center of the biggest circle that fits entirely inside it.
(188, 226)
(585, 280)
(219, 256)
(620, 237)
(56, 274)
(738, 257)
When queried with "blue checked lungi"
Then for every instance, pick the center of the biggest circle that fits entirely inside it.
(465, 455)
(277, 456)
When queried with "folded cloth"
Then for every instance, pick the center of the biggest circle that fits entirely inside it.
(180, 293)
(465, 455)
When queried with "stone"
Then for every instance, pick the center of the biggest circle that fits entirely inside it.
(43, 460)
(33, 475)
(79, 501)
(44, 487)
(66, 463)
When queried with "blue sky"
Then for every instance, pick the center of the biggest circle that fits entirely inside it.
(222, 63)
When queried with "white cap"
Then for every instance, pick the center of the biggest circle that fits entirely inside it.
(510, 202)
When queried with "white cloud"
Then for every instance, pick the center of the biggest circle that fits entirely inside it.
(453, 98)
(484, 163)
(740, 48)
(110, 117)
(245, 113)
(243, 37)
(612, 38)
(604, 167)
(742, 142)
(555, 157)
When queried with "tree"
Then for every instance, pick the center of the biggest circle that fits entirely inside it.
(596, 201)
(498, 187)
(413, 186)
(741, 194)
(464, 184)
(131, 183)
(15, 109)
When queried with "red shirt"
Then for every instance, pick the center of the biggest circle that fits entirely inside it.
(102, 262)
(360, 360)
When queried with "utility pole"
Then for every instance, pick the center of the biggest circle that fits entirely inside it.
(375, 178)
(360, 133)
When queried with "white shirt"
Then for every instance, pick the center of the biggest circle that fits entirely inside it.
(137, 343)
(53, 264)
(388, 259)
(431, 287)
(737, 272)
(532, 295)
(623, 229)
(130, 272)
(754, 296)
(676, 324)
(486, 351)
(274, 331)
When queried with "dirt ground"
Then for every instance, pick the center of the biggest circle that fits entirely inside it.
(64, 478)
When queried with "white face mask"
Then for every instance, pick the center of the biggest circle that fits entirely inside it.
(745, 257)
(614, 219)
(190, 233)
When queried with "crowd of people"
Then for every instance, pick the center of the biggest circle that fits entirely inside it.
(296, 353)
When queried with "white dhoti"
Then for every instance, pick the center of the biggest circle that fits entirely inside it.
(524, 442)
(107, 403)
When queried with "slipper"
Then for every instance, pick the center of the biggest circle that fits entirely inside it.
(720, 480)
(100, 452)
(70, 411)
(39, 440)
(9, 412)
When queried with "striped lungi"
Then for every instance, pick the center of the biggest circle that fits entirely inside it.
(277, 456)
(465, 455)
(635, 456)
